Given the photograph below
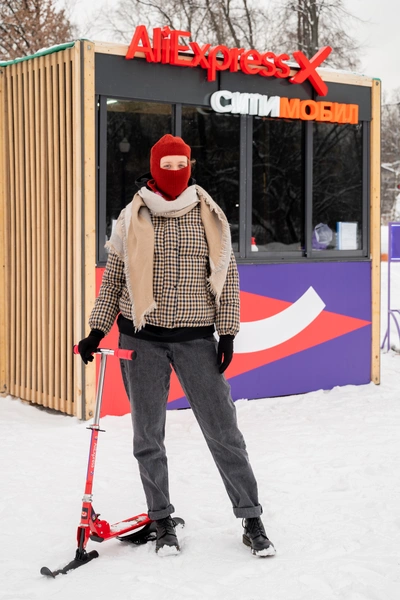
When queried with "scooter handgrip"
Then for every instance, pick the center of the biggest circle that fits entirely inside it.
(126, 354)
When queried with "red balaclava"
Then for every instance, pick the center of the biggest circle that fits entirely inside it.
(170, 183)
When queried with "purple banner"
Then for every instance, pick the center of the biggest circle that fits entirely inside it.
(304, 327)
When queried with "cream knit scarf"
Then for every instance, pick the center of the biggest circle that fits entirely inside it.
(133, 241)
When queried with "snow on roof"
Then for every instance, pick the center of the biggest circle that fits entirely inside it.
(41, 52)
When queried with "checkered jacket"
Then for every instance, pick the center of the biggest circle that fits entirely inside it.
(180, 286)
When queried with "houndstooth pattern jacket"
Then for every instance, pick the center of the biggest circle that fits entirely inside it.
(181, 290)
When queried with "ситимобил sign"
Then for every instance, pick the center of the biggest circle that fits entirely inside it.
(225, 101)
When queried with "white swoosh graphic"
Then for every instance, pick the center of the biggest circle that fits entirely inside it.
(272, 331)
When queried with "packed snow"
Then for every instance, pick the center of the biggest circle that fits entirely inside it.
(327, 464)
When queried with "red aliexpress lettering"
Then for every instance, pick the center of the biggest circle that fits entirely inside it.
(167, 48)
(282, 69)
(267, 60)
(249, 62)
(200, 57)
(235, 54)
(140, 35)
(215, 63)
(176, 48)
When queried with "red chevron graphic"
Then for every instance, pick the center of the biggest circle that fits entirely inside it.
(327, 326)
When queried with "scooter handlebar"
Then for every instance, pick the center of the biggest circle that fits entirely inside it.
(117, 352)
(126, 354)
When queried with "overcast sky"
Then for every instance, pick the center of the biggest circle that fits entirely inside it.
(378, 34)
(380, 37)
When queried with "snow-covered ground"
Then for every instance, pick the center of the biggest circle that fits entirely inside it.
(329, 480)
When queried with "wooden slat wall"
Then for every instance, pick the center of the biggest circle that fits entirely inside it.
(41, 209)
(4, 250)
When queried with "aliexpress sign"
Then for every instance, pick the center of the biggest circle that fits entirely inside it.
(166, 48)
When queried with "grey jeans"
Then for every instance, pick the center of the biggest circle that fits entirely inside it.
(147, 381)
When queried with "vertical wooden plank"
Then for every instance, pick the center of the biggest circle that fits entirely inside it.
(34, 107)
(50, 234)
(89, 145)
(18, 241)
(20, 354)
(22, 228)
(65, 351)
(78, 225)
(55, 199)
(375, 157)
(28, 232)
(21, 323)
(4, 234)
(12, 204)
(41, 107)
(31, 222)
(70, 230)
(43, 237)
(31, 134)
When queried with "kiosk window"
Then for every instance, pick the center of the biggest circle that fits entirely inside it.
(132, 129)
(337, 187)
(215, 142)
(297, 189)
(278, 207)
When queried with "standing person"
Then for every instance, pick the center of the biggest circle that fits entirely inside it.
(172, 277)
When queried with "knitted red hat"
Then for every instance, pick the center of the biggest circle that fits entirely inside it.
(171, 183)
(168, 145)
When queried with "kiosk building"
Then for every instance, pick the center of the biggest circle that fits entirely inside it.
(289, 149)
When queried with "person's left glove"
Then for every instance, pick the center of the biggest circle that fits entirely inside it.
(225, 352)
(89, 344)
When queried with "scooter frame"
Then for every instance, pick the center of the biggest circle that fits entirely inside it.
(90, 526)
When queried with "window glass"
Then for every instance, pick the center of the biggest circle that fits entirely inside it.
(132, 129)
(278, 206)
(337, 187)
(215, 142)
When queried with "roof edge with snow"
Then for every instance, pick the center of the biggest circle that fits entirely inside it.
(43, 52)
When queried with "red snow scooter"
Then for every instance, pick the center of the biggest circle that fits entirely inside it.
(90, 526)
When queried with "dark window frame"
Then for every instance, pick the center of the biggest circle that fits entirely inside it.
(244, 254)
(263, 255)
(101, 183)
(242, 189)
(363, 252)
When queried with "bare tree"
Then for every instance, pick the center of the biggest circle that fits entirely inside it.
(390, 153)
(240, 23)
(311, 24)
(391, 127)
(27, 26)
(278, 25)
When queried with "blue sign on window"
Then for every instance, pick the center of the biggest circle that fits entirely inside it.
(394, 241)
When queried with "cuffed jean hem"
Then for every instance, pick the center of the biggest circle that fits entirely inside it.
(154, 515)
(247, 512)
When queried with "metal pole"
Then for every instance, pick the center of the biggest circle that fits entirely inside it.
(389, 264)
(99, 395)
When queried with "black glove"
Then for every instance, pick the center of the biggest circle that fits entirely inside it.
(225, 349)
(89, 344)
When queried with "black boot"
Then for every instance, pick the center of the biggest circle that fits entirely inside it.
(167, 542)
(254, 536)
